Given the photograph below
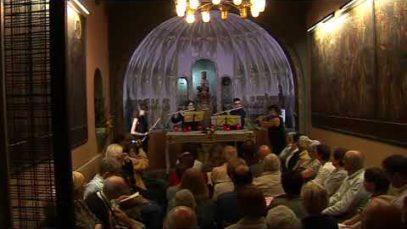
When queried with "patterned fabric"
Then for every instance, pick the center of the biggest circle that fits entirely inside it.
(95, 185)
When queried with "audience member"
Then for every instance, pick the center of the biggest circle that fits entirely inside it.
(181, 217)
(270, 180)
(311, 168)
(193, 181)
(100, 204)
(291, 142)
(351, 195)
(291, 151)
(336, 177)
(292, 183)
(252, 207)
(323, 155)
(115, 152)
(396, 168)
(247, 151)
(257, 168)
(226, 204)
(219, 176)
(382, 214)
(282, 217)
(184, 197)
(108, 167)
(315, 199)
(84, 218)
(298, 159)
(377, 184)
(185, 161)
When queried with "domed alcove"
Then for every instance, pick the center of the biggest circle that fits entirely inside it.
(256, 67)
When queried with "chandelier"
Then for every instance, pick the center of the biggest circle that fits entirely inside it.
(189, 8)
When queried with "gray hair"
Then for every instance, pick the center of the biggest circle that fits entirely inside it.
(184, 197)
(109, 165)
(281, 217)
(271, 163)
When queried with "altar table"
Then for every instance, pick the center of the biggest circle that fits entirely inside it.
(173, 137)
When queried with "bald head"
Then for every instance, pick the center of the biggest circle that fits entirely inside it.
(353, 161)
(181, 217)
(114, 187)
(263, 151)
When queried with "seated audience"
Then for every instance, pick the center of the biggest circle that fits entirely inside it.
(84, 218)
(252, 207)
(193, 181)
(100, 203)
(282, 217)
(382, 215)
(257, 168)
(323, 155)
(351, 195)
(299, 158)
(226, 204)
(315, 199)
(185, 161)
(396, 168)
(336, 177)
(115, 152)
(292, 183)
(108, 167)
(287, 154)
(247, 151)
(219, 176)
(377, 184)
(181, 217)
(291, 142)
(184, 197)
(270, 180)
(311, 168)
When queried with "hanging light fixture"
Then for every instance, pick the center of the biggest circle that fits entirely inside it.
(188, 8)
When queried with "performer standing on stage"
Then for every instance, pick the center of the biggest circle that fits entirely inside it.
(139, 128)
(276, 131)
(236, 105)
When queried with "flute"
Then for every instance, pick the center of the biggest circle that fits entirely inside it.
(227, 111)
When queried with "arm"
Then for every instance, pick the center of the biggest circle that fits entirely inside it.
(340, 204)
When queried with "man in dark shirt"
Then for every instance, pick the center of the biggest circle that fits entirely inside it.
(237, 104)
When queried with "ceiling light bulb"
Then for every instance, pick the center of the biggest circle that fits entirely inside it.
(254, 12)
(194, 4)
(190, 18)
(205, 16)
(237, 2)
(216, 2)
(180, 11)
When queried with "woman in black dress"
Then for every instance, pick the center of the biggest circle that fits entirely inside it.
(276, 132)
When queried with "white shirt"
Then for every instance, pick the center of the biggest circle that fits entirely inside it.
(335, 180)
(350, 196)
(323, 173)
(95, 185)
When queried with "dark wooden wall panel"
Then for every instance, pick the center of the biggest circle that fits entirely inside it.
(359, 72)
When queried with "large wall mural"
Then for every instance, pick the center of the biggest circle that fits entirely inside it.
(359, 73)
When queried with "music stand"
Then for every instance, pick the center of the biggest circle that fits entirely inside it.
(230, 120)
(193, 116)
